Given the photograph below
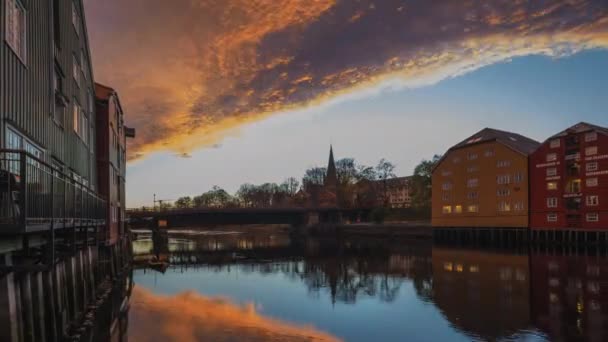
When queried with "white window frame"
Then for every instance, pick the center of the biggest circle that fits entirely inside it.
(17, 41)
(552, 217)
(551, 157)
(592, 217)
(590, 150)
(473, 195)
(552, 202)
(551, 171)
(518, 177)
(472, 183)
(504, 207)
(503, 163)
(556, 186)
(592, 200)
(503, 179)
(591, 182)
(503, 192)
(519, 206)
(555, 143)
(472, 156)
(591, 136)
(591, 166)
(446, 186)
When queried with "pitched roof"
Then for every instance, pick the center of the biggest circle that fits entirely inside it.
(580, 128)
(517, 142)
(331, 179)
(103, 92)
(514, 141)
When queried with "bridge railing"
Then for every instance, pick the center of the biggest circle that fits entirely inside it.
(36, 196)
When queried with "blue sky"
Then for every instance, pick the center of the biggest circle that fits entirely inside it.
(534, 95)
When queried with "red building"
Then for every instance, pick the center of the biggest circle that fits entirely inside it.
(569, 180)
(111, 158)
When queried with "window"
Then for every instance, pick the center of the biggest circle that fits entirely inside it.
(551, 171)
(552, 202)
(518, 177)
(446, 173)
(593, 217)
(456, 160)
(446, 186)
(504, 206)
(591, 150)
(458, 209)
(551, 157)
(503, 192)
(551, 185)
(80, 123)
(471, 156)
(445, 196)
(593, 200)
(472, 183)
(591, 182)
(591, 166)
(591, 136)
(555, 143)
(473, 208)
(16, 141)
(519, 206)
(75, 18)
(473, 195)
(473, 168)
(552, 217)
(489, 153)
(15, 27)
(503, 179)
(76, 71)
(447, 209)
(503, 163)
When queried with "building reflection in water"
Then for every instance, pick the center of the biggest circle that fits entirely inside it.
(487, 295)
(570, 296)
(483, 294)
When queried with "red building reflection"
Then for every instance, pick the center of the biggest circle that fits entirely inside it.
(570, 296)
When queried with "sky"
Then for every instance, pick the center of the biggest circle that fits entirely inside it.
(253, 91)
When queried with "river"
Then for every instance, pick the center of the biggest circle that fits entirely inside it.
(265, 286)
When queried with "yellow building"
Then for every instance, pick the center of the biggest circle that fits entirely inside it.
(483, 182)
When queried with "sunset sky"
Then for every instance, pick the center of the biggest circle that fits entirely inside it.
(234, 91)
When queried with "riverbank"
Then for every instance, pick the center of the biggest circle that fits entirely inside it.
(410, 229)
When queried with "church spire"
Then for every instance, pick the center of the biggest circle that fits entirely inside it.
(331, 179)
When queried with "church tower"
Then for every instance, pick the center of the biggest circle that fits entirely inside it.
(331, 178)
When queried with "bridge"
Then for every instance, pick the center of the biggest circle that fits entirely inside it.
(192, 217)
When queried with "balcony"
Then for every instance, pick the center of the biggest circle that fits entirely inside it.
(35, 197)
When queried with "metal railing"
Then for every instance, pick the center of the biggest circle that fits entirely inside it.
(34, 195)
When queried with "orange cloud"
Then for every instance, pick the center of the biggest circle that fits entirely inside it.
(191, 72)
(191, 317)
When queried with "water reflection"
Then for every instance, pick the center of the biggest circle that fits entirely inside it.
(189, 316)
(363, 289)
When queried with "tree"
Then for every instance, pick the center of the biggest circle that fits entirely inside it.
(384, 172)
(214, 198)
(422, 183)
(183, 202)
(314, 176)
(291, 186)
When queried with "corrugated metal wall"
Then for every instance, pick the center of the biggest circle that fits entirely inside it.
(27, 89)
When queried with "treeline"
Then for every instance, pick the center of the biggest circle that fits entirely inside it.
(350, 175)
